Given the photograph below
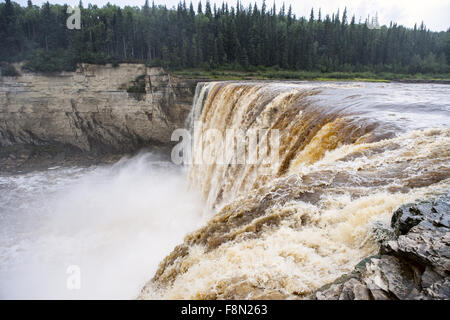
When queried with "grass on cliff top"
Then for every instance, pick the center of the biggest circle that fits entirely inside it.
(273, 74)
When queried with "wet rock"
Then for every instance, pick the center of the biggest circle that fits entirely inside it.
(413, 264)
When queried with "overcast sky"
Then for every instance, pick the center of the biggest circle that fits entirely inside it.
(435, 13)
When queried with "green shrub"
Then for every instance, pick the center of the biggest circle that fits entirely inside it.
(136, 89)
(46, 61)
(96, 58)
(138, 85)
(114, 63)
(8, 70)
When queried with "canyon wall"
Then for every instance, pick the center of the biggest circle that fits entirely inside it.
(94, 109)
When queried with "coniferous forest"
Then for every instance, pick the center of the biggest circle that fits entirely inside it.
(208, 37)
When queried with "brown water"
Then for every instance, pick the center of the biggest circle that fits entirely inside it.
(349, 155)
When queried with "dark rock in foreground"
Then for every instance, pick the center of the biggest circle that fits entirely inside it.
(413, 264)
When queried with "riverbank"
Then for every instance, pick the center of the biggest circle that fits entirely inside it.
(89, 116)
(277, 74)
(25, 158)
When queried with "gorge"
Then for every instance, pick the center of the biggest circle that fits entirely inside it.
(350, 155)
(95, 110)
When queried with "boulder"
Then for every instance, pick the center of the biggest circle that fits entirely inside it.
(413, 264)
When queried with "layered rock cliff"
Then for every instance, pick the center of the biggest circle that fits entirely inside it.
(96, 109)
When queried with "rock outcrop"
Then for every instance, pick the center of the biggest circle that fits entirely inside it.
(413, 264)
(92, 110)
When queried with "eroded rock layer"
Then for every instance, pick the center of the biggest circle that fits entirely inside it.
(97, 109)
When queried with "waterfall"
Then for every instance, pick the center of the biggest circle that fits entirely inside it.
(346, 159)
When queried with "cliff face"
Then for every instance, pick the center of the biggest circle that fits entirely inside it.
(90, 110)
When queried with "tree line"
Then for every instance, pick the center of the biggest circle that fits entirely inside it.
(209, 37)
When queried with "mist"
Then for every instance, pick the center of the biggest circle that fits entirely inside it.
(114, 223)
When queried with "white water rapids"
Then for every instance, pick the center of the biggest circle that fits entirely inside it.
(116, 222)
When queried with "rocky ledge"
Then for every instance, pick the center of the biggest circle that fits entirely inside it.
(95, 111)
(413, 262)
